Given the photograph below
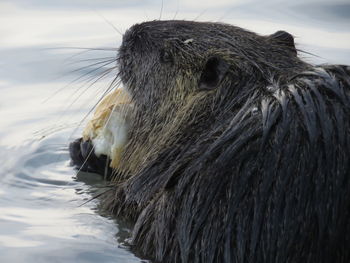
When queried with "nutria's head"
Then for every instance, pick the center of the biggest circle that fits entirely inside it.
(161, 58)
(183, 75)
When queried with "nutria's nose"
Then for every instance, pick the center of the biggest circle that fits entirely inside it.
(136, 38)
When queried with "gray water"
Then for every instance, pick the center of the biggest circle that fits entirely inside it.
(46, 92)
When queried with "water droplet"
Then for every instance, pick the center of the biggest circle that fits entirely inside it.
(255, 111)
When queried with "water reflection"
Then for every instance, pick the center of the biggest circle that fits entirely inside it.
(41, 208)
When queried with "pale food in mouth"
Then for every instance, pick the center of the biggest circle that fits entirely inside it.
(108, 129)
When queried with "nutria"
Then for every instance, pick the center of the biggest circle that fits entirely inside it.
(238, 150)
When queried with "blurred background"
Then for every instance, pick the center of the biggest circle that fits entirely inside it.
(52, 55)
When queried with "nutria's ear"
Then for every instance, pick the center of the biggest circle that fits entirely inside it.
(213, 73)
(285, 39)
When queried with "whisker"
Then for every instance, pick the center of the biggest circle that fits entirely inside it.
(200, 14)
(226, 13)
(107, 62)
(161, 10)
(109, 49)
(308, 53)
(177, 9)
(95, 78)
(114, 83)
(88, 79)
(106, 170)
(85, 50)
(106, 72)
(91, 59)
(80, 94)
(108, 22)
(76, 55)
(42, 133)
(110, 86)
(146, 14)
(96, 196)
(86, 159)
(89, 73)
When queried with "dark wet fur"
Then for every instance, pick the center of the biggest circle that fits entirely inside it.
(257, 170)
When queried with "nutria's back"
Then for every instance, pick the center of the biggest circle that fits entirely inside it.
(238, 151)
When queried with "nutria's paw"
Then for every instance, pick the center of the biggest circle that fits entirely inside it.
(83, 157)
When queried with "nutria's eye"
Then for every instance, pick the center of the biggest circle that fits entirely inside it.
(165, 56)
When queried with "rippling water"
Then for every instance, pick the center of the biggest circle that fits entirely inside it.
(45, 98)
